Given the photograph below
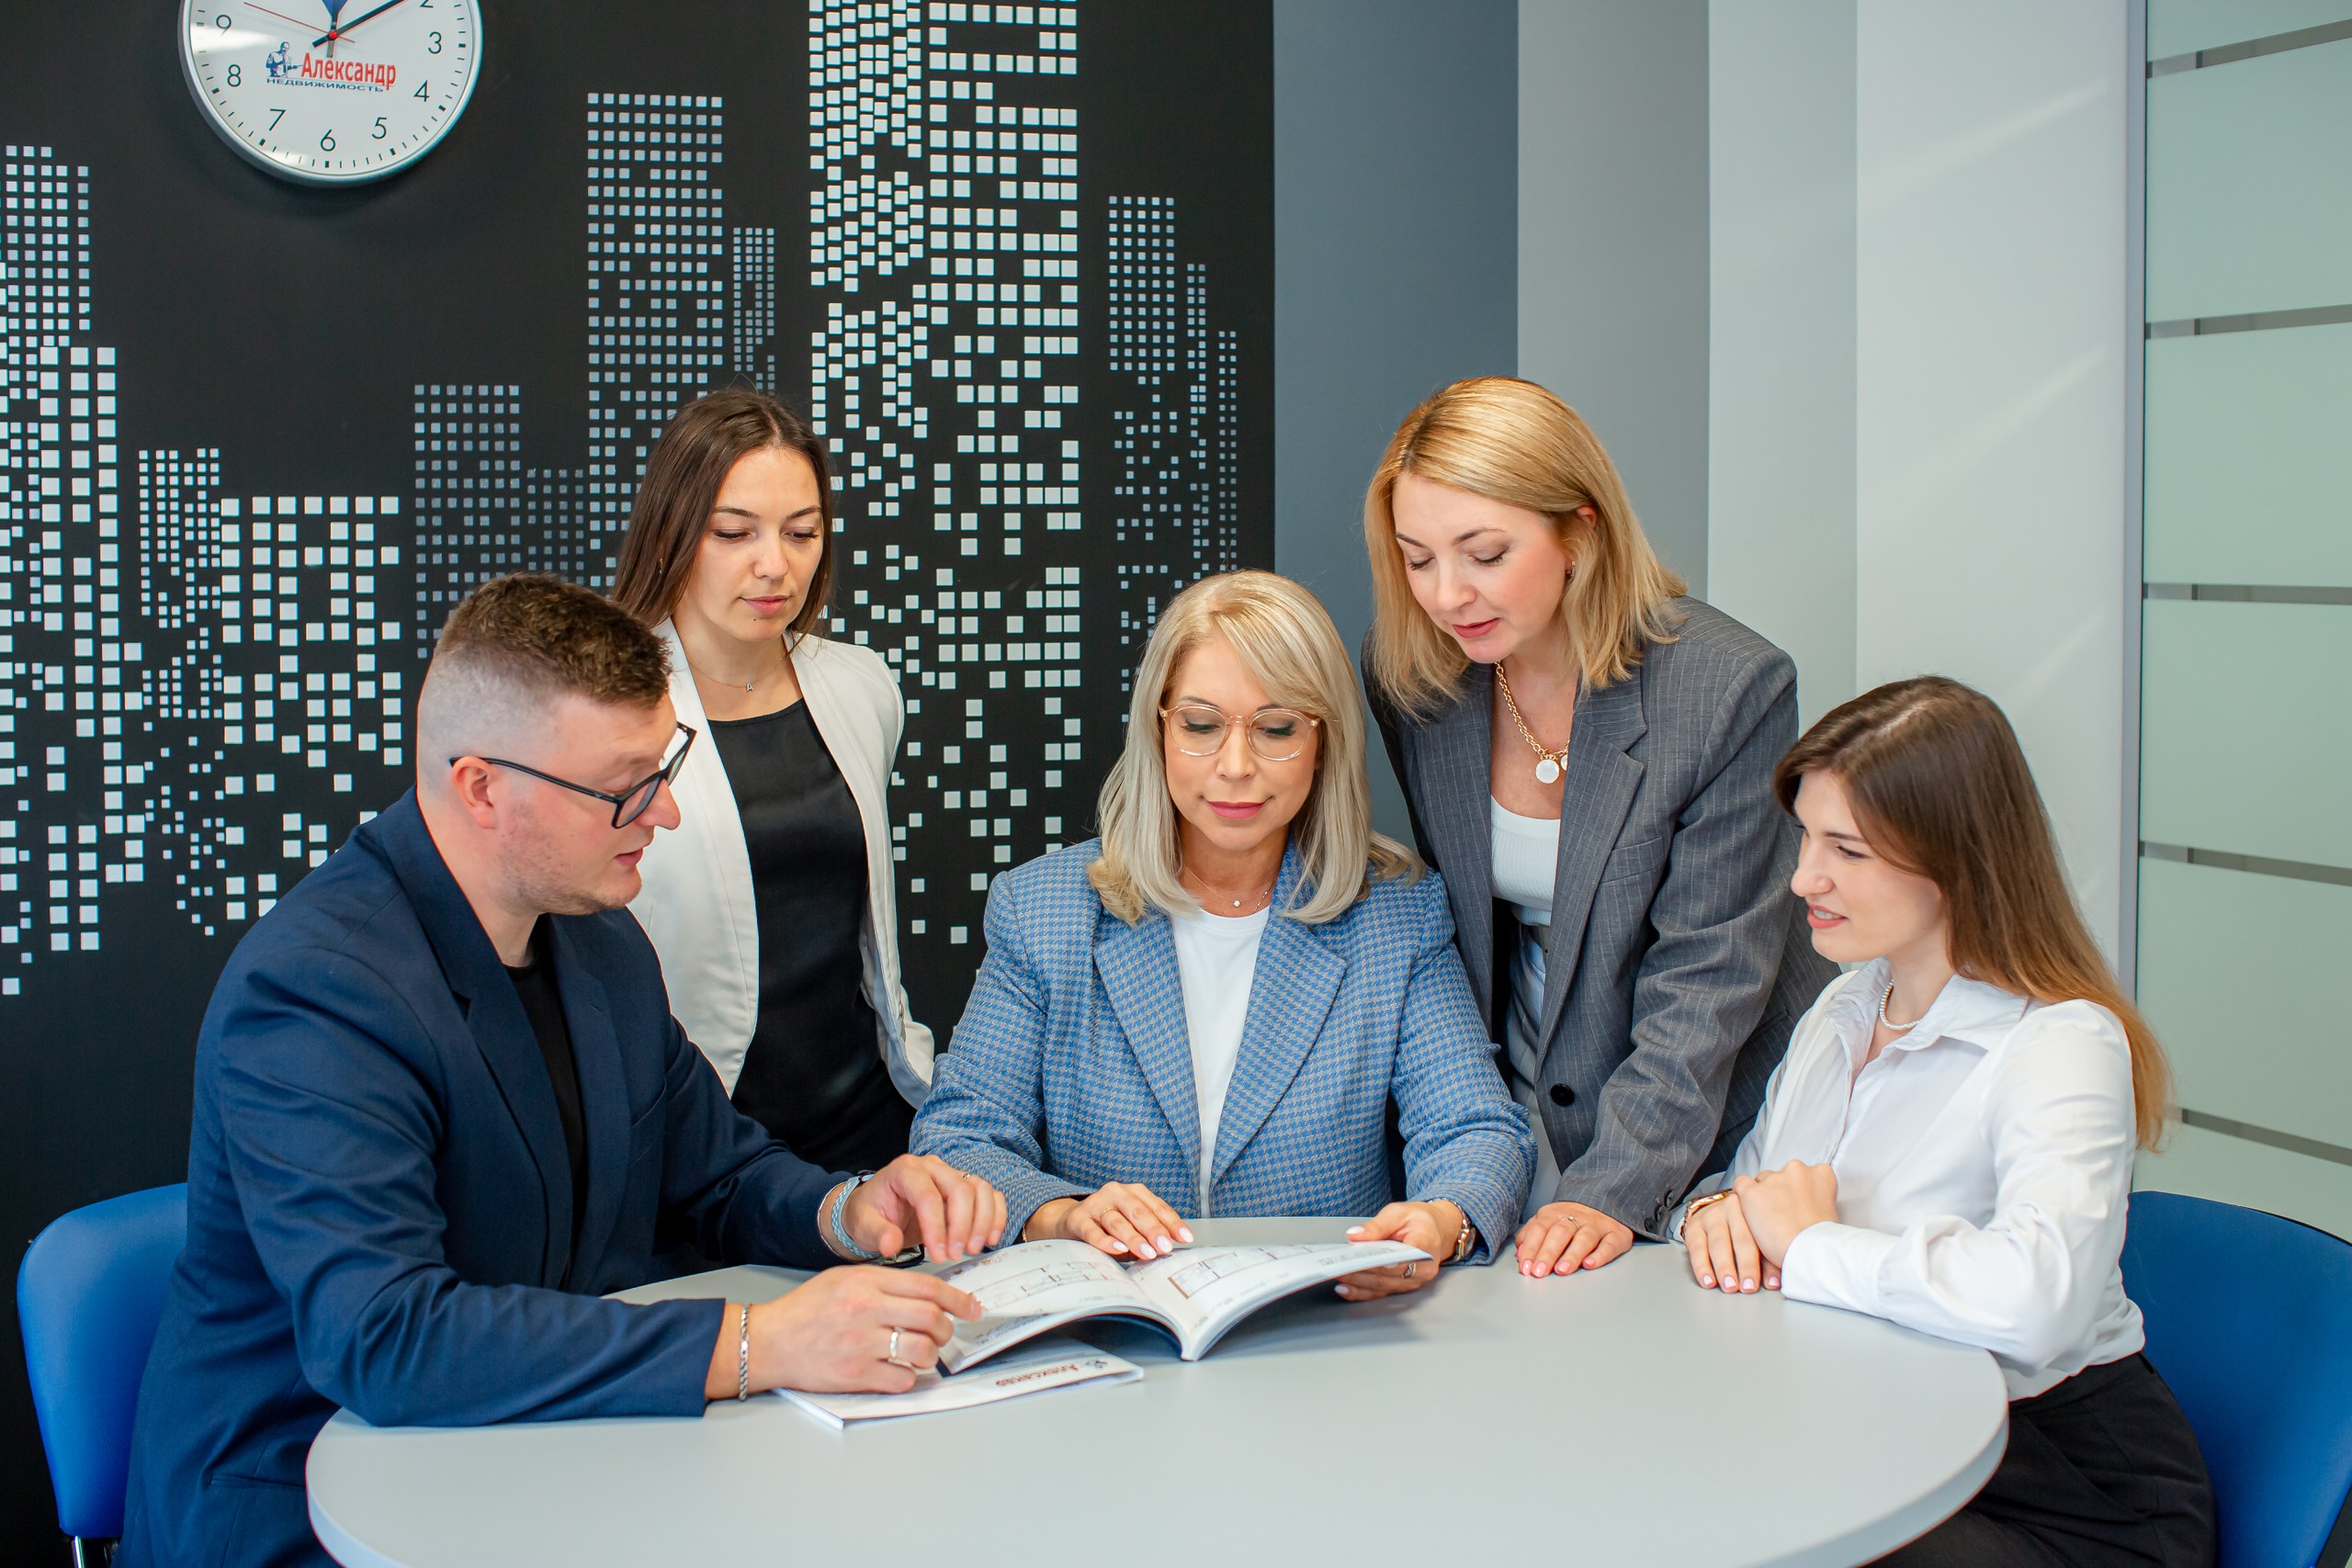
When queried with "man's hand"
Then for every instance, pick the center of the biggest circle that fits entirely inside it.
(835, 1334)
(954, 1214)
(1779, 1204)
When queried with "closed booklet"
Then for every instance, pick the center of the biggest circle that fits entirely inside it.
(1008, 1379)
(1193, 1295)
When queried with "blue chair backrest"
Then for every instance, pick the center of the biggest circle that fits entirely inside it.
(88, 1296)
(2250, 1321)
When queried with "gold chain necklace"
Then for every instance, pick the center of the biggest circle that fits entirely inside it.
(1548, 762)
(717, 682)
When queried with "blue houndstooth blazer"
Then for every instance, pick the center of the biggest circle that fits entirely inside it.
(1072, 1065)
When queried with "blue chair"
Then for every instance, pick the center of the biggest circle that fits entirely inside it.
(2248, 1320)
(88, 1297)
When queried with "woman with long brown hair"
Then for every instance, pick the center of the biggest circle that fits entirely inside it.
(1966, 1171)
(772, 906)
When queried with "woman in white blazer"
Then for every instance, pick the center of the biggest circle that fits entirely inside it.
(772, 907)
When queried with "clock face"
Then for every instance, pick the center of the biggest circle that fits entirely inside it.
(332, 91)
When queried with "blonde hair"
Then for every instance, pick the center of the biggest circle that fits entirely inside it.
(1514, 442)
(1286, 639)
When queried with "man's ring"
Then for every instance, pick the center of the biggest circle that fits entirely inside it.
(894, 1359)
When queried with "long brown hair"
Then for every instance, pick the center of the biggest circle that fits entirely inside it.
(1940, 788)
(705, 439)
(1515, 442)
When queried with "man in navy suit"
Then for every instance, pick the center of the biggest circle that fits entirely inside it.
(441, 1107)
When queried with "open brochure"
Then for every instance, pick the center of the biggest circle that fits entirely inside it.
(1009, 1379)
(1195, 1294)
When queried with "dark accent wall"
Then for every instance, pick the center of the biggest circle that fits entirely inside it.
(1019, 267)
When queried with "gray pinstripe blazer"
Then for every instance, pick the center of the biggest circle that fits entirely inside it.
(1677, 961)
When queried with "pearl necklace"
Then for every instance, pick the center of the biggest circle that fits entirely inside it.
(1887, 995)
(1548, 762)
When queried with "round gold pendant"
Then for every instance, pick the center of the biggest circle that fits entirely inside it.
(1547, 771)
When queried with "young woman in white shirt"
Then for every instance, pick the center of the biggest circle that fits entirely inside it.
(1947, 1143)
(771, 906)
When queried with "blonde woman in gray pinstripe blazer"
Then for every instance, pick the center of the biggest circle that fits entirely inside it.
(1588, 758)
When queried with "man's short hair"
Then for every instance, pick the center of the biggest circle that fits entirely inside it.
(519, 644)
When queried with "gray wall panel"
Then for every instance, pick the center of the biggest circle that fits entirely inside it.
(1613, 242)
(1396, 196)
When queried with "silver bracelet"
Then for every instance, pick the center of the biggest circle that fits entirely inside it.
(743, 1350)
(843, 1243)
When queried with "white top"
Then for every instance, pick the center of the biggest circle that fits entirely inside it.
(1984, 1168)
(696, 905)
(1527, 860)
(1216, 957)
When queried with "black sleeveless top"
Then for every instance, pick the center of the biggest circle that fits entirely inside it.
(814, 1074)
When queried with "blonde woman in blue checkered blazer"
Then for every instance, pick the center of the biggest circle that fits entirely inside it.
(1209, 1010)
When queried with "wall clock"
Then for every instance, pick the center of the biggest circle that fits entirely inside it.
(332, 91)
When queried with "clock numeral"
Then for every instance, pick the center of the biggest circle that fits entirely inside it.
(236, 77)
(421, 86)
(379, 133)
(275, 116)
(222, 21)
(436, 43)
(326, 142)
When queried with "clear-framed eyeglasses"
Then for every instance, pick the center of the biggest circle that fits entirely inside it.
(627, 805)
(1276, 734)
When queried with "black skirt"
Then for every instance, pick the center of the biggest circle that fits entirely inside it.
(2101, 1472)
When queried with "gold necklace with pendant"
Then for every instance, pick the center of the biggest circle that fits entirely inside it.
(1548, 762)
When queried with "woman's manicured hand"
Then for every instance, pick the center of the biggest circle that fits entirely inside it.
(1782, 1203)
(1125, 1218)
(1432, 1226)
(1723, 1250)
(1560, 1238)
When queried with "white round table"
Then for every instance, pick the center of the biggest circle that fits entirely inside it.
(1618, 1417)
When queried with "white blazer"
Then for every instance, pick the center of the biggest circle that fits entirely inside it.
(696, 905)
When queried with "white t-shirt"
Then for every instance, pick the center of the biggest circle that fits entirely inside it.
(1526, 860)
(1216, 957)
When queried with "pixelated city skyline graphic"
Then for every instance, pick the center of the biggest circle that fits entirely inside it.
(197, 706)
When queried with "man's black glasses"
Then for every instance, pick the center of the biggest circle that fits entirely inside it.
(629, 804)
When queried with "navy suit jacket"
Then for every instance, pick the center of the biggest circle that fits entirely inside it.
(379, 1198)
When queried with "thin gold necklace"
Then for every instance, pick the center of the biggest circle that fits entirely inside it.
(1264, 897)
(1548, 762)
(713, 679)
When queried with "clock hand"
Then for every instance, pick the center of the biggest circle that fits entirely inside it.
(355, 21)
(280, 16)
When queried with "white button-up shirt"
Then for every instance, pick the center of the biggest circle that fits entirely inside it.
(1984, 1168)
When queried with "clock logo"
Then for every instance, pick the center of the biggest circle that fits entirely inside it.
(309, 96)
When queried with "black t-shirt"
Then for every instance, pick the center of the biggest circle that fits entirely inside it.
(813, 1074)
(543, 1005)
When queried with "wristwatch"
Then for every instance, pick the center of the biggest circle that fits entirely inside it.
(1465, 1240)
(1701, 1202)
(846, 1244)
